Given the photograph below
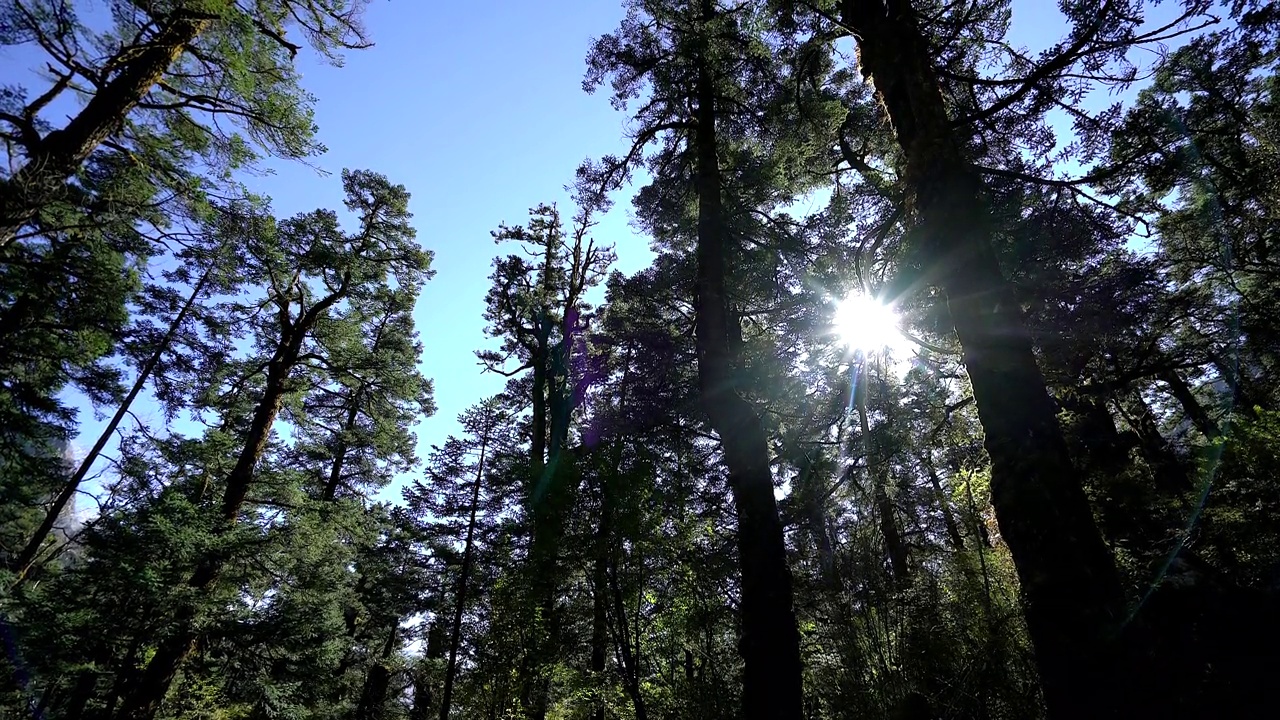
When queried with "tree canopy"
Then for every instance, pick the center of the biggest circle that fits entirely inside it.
(950, 391)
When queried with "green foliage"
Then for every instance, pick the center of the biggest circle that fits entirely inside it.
(573, 551)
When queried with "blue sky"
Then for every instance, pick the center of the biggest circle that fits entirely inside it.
(479, 111)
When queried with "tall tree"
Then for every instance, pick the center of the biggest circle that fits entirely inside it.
(539, 311)
(63, 313)
(456, 513)
(309, 266)
(213, 276)
(1073, 597)
(709, 80)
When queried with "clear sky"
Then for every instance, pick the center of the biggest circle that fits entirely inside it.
(478, 109)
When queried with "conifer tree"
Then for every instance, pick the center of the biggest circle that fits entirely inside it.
(165, 65)
(311, 269)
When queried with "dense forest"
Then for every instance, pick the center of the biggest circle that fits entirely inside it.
(951, 392)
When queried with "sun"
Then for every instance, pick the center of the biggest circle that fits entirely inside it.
(862, 322)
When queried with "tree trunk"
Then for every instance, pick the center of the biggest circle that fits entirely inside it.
(630, 658)
(770, 642)
(81, 694)
(600, 578)
(606, 588)
(1071, 591)
(889, 530)
(421, 709)
(374, 694)
(539, 484)
(538, 443)
(340, 456)
(599, 619)
(32, 549)
(59, 155)
(545, 494)
(47, 697)
(460, 597)
(948, 517)
(819, 528)
(423, 686)
(1244, 395)
(1172, 474)
(153, 685)
(552, 500)
(1190, 405)
(124, 677)
(544, 580)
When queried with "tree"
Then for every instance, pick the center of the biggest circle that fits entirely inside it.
(540, 313)
(1073, 597)
(309, 266)
(458, 473)
(719, 177)
(710, 463)
(211, 276)
(63, 313)
(165, 67)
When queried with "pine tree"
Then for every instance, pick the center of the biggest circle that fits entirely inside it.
(457, 507)
(539, 312)
(309, 267)
(166, 64)
(716, 166)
